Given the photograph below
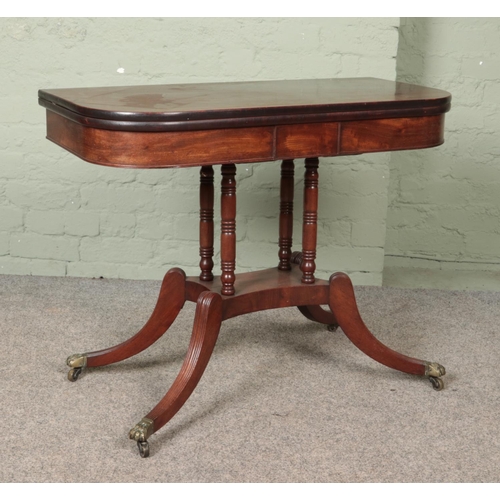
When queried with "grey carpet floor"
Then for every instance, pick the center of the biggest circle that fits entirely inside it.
(283, 400)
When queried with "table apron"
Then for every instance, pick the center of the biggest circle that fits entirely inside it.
(243, 145)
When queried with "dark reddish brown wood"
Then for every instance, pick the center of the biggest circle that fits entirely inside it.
(311, 139)
(261, 290)
(314, 312)
(391, 135)
(319, 315)
(207, 321)
(310, 218)
(203, 106)
(128, 149)
(206, 222)
(343, 305)
(200, 124)
(286, 215)
(170, 302)
(229, 123)
(161, 149)
(296, 258)
(228, 228)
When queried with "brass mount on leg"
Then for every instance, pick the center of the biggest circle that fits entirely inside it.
(77, 362)
(433, 371)
(140, 433)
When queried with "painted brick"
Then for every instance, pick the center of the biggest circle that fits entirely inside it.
(11, 160)
(170, 253)
(118, 175)
(47, 222)
(184, 201)
(123, 225)
(118, 199)
(380, 67)
(355, 208)
(350, 259)
(484, 244)
(475, 266)
(39, 196)
(449, 191)
(43, 247)
(481, 67)
(81, 224)
(13, 265)
(254, 255)
(264, 229)
(366, 279)
(439, 243)
(41, 267)
(331, 232)
(491, 118)
(263, 203)
(436, 65)
(119, 250)
(94, 269)
(111, 270)
(468, 219)
(10, 219)
(406, 217)
(186, 227)
(457, 184)
(4, 243)
(369, 235)
(159, 226)
(411, 262)
(132, 272)
(370, 182)
(485, 195)
(465, 117)
(50, 164)
(154, 176)
(492, 92)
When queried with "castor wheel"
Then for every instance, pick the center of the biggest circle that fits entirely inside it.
(332, 328)
(143, 448)
(73, 374)
(437, 383)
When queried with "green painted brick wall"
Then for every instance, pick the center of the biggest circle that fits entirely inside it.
(444, 203)
(62, 216)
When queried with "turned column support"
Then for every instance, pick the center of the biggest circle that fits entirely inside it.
(286, 215)
(206, 223)
(228, 228)
(310, 219)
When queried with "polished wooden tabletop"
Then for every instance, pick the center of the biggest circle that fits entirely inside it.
(211, 105)
(170, 126)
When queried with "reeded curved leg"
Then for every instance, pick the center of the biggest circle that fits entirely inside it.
(318, 314)
(315, 313)
(343, 306)
(207, 322)
(170, 302)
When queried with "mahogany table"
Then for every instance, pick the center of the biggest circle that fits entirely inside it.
(171, 126)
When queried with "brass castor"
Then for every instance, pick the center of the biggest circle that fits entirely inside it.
(332, 328)
(434, 371)
(73, 374)
(143, 448)
(77, 362)
(140, 434)
(437, 383)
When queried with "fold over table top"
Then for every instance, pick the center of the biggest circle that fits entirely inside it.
(203, 106)
(152, 126)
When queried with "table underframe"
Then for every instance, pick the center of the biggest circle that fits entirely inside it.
(291, 284)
